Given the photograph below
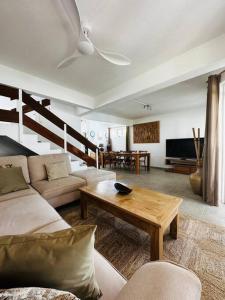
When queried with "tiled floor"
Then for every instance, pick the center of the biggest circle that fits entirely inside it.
(178, 185)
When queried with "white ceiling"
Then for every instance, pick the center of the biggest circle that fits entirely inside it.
(184, 95)
(35, 36)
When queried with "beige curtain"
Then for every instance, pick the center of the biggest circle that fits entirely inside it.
(210, 158)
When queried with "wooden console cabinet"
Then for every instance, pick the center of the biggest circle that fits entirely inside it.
(182, 166)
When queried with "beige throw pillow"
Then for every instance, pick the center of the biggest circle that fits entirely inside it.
(57, 170)
(11, 180)
(62, 260)
(35, 293)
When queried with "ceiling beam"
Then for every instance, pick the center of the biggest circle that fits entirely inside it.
(44, 88)
(195, 62)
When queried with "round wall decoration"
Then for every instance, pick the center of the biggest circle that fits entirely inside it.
(92, 133)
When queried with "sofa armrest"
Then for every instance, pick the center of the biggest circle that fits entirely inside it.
(162, 280)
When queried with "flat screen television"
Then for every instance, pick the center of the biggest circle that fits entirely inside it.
(182, 148)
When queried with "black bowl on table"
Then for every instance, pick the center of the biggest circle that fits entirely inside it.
(122, 189)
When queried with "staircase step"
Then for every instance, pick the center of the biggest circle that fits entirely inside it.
(77, 165)
(56, 151)
(30, 138)
(40, 148)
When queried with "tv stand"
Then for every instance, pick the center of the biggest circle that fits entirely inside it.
(181, 165)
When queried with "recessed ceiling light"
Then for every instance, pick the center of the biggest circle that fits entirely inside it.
(145, 105)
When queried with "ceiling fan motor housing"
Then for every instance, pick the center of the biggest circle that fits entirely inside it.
(86, 48)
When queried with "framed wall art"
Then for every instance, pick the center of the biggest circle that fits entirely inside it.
(146, 133)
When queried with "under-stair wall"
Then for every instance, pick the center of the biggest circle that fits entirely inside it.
(10, 147)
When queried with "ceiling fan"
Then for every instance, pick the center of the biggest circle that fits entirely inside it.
(85, 45)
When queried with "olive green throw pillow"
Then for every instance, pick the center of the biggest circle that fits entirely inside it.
(12, 180)
(56, 170)
(62, 260)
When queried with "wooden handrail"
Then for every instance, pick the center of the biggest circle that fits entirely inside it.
(27, 99)
(27, 108)
(9, 116)
(9, 91)
(13, 116)
(38, 128)
(31, 104)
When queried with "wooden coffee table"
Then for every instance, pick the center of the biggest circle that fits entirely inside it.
(146, 209)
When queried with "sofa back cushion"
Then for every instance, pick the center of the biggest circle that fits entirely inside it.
(17, 161)
(36, 165)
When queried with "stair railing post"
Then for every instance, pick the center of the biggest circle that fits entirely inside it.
(65, 138)
(96, 157)
(39, 116)
(20, 110)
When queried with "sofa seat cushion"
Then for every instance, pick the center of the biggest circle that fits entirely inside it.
(54, 188)
(26, 214)
(52, 227)
(162, 280)
(18, 194)
(93, 175)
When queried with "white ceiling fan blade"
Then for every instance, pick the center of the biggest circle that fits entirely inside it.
(68, 61)
(73, 15)
(114, 58)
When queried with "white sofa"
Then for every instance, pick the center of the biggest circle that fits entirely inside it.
(27, 211)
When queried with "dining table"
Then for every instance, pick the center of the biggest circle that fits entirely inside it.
(133, 155)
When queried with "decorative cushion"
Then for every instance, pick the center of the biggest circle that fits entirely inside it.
(61, 260)
(12, 180)
(36, 293)
(57, 170)
(17, 161)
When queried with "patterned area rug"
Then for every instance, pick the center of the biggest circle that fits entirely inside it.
(199, 247)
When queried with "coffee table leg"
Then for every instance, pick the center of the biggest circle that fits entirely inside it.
(174, 227)
(156, 244)
(83, 206)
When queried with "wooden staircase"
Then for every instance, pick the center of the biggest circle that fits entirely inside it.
(33, 105)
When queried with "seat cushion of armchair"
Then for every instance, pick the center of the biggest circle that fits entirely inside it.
(57, 187)
(162, 280)
(92, 175)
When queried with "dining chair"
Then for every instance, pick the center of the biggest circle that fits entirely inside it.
(143, 160)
